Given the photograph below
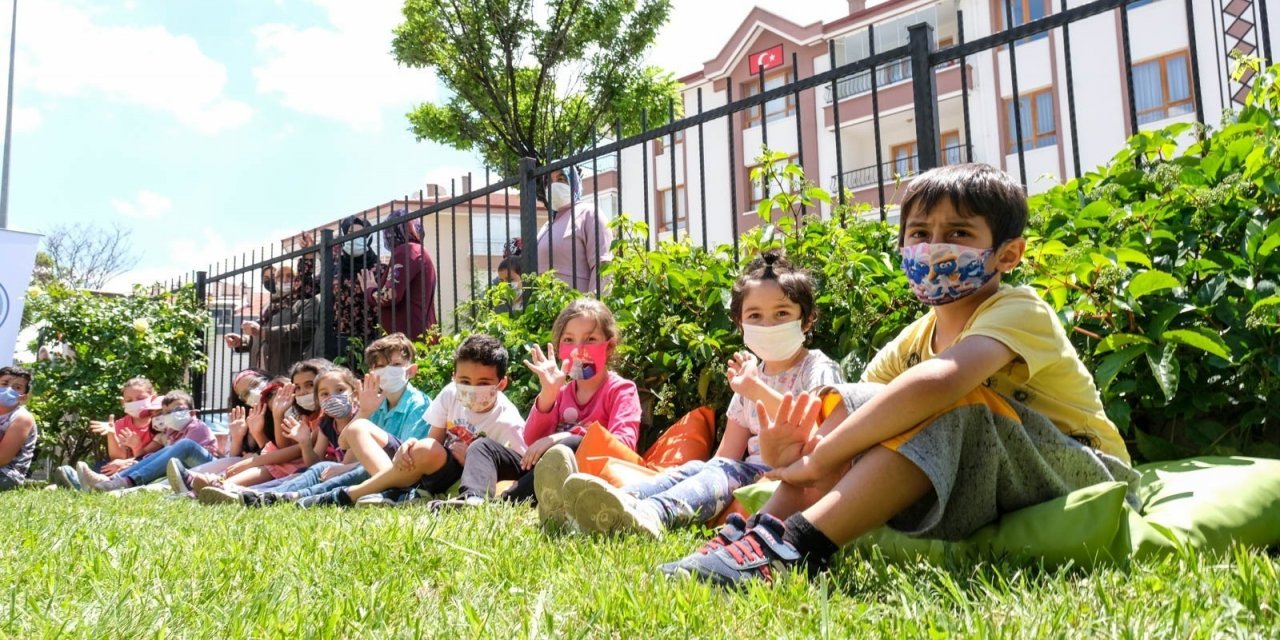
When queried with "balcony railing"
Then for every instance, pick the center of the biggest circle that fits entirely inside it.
(860, 83)
(905, 167)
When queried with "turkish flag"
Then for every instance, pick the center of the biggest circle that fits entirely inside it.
(767, 59)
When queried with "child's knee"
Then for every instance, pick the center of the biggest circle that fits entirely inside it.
(428, 458)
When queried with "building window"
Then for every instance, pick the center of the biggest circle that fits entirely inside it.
(660, 145)
(1039, 121)
(952, 150)
(1162, 87)
(775, 109)
(757, 189)
(669, 213)
(1024, 11)
(905, 159)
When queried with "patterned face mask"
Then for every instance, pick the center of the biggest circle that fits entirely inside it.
(585, 360)
(477, 398)
(942, 273)
(337, 406)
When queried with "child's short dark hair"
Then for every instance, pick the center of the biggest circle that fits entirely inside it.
(485, 350)
(512, 265)
(796, 284)
(177, 396)
(17, 372)
(974, 189)
(315, 366)
(384, 347)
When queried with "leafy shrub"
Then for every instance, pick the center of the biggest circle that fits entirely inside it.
(114, 338)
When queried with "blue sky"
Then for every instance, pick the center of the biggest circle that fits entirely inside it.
(209, 128)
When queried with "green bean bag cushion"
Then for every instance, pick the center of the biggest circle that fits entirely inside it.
(1200, 503)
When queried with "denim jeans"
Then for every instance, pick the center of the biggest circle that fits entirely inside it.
(152, 467)
(695, 491)
(308, 483)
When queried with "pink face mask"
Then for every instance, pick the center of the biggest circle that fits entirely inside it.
(585, 360)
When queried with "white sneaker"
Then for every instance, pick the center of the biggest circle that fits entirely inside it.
(173, 471)
(88, 477)
(598, 506)
(376, 500)
(556, 465)
(112, 484)
(217, 495)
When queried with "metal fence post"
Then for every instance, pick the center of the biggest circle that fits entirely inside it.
(327, 273)
(197, 378)
(925, 94)
(528, 215)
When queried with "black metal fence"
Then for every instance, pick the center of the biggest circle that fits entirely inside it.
(330, 298)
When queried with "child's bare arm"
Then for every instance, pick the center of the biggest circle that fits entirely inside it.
(734, 443)
(14, 438)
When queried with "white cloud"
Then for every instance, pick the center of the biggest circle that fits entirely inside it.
(64, 52)
(343, 72)
(26, 119)
(698, 29)
(149, 205)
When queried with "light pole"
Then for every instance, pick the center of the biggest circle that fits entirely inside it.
(8, 123)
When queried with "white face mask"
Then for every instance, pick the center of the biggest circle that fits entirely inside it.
(776, 343)
(477, 399)
(358, 247)
(561, 196)
(135, 408)
(392, 378)
(176, 421)
(254, 396)
(285, 288)
(306, 401)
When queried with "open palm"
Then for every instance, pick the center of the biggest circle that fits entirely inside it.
(783, 440)
(551, 375)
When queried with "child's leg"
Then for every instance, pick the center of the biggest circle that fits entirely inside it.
(308, 477)
(665, 480)
(217, 466)
(701, 496)
(249, 477)
(487, 463)
(877, 487)
(392, 478)
(189, 452)
(368, 443)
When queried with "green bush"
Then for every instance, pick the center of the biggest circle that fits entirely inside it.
(1163, 265)
(114, 338)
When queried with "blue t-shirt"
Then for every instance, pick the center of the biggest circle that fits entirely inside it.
(406, 420)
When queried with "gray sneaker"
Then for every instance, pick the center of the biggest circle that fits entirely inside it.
(176, 473)
(556, 465)
(600, 507)
(88, 477)
(217, 495)
(65, 477)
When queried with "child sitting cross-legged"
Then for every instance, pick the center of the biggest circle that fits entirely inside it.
(17, 427)
(986, 407)
(774, 305)
(186, 439)
(473, 406)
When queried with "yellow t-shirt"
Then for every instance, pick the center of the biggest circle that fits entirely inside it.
(1046, 375)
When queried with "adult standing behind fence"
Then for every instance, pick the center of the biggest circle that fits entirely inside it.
(405, 296)
(576, 240)
(353, 318)
(288, 331)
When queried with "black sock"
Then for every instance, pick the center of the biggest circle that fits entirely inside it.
(814, 546)
(344, 498)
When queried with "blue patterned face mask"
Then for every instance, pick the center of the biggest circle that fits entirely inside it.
(9, 397)
(942, 273)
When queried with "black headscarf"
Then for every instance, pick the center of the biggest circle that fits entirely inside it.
(349, 265)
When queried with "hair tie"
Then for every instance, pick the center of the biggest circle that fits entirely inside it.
(769, 259)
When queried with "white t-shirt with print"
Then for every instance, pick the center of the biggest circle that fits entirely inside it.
(502, 424)
(816, 370)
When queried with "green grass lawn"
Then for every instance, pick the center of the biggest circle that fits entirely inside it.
(144, 566)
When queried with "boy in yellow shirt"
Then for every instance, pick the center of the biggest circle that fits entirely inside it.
(985, 406)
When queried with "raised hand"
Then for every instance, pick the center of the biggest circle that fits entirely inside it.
(233, 341)
(369, 394)
(553, 377)
(107, 428)
(282, 399)
(256, 421)
(783, 440)
(130, 440)
(743, 374)
(237, 426)
(298, 431)
(250, 328)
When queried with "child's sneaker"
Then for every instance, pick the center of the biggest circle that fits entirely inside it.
(251, 498)
(198, 481)
(336, 498)
(88, 477)
(760, 554)
(176, 473)
(600, 507)
(65, 477)
(455, 503)
(380, 500)
(735, 526)
(217, 495)
(556, 465)
(115, 483)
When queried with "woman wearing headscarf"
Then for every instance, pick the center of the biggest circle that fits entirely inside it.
(575, 241)
(405, 295)
(354, 318)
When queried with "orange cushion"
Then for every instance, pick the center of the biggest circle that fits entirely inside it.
(692, 437)
(598, 445)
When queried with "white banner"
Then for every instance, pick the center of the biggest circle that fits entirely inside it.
(17, 259)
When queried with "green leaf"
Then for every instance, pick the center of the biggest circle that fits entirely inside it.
(1201, 338)
(1118, 340)
(1149, 282)
(1112, 364)
(1166, 370)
